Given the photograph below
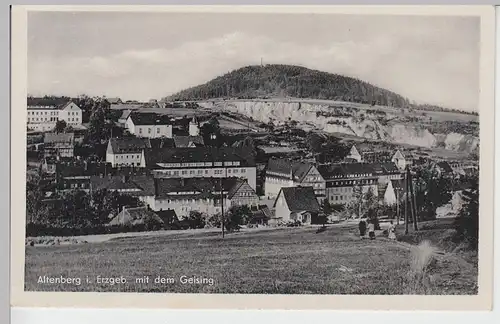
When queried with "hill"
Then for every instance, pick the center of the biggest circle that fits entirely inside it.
(291, 81)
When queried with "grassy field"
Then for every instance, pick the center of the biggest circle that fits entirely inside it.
(281, 261)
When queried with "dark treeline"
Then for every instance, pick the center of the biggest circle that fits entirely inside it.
(294, 81)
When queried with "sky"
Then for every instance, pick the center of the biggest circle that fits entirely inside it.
(142, 56)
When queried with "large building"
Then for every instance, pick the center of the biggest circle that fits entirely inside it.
(281, 173)
(345, 181)
(44, 116)
(149, 125)
(202, 162)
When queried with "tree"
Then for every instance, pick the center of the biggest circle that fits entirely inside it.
(211, 129)
(60, 126)
(195, 220)
(467, 221)
(314, 142)
(237, 215)
(98, 129)
(431, 191)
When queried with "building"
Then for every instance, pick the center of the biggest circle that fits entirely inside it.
(184, 195)
(399, 159)
(344, 182)
(202, 162)
(240, 193)
(127, 151)
(59, 145)
(394, 192)
(71, 175)
(354, 155)
(282, 173)
(43, 115)
(296, 204)
(149, 125)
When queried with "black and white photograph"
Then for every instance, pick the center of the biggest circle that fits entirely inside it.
(262, 153)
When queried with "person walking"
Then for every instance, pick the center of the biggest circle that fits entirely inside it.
(392, 231)
(362, 228)
(371, 229)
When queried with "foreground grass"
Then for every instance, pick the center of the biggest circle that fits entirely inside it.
(281, 261)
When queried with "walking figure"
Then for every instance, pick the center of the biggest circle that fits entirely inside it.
(371, 230)
(392, 231)
(362, 228)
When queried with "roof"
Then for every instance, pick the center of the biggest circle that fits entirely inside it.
(128, 145)
(58, 138)
(113, 100)
(167, 216)
(195, 188)
(234, 184)
(81, 169)
(188, 141)
(300, 199)
(46, 102)
(445, 166)
(294, 170)
(346, 169)
(130, 106)
(135, 216)
(125, 114)
(139, 118)
(398, 155)
(162, 142)
(196, 154)
(357, 169)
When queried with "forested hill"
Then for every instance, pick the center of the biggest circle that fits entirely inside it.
(292, 81)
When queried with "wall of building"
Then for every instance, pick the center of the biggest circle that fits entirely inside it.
(71, 114)
(343, 194)
(152, 131)
(273, 185)
(282, 213)
(183, 207)
(248, 173)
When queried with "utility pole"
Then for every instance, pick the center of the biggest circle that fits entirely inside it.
(406, 204)
(222, 206)
(412, 201)
(397, 206)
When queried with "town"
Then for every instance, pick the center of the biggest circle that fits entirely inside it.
(100, 165)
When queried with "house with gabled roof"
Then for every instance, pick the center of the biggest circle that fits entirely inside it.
(127, 151)
(296, 204)
(399, 159)
(282, 173)
(150, 125)
(59, 144)
(354, 155)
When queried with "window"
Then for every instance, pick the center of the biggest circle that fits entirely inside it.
(149, 130)
(176, 172)
(184, 172)
(200, 171)
(140, 130)
(157, 131)
(243, 170)
(191, 172)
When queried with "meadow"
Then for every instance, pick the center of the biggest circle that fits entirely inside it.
(276, 261)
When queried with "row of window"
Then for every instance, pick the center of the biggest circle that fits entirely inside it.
(340, 198)
(121, 157)
(47, 119)
(200, 172)
(51, 113)
(354, 182)
(149, 131)
(128, 164)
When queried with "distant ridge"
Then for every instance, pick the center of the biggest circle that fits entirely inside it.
(279, 80)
